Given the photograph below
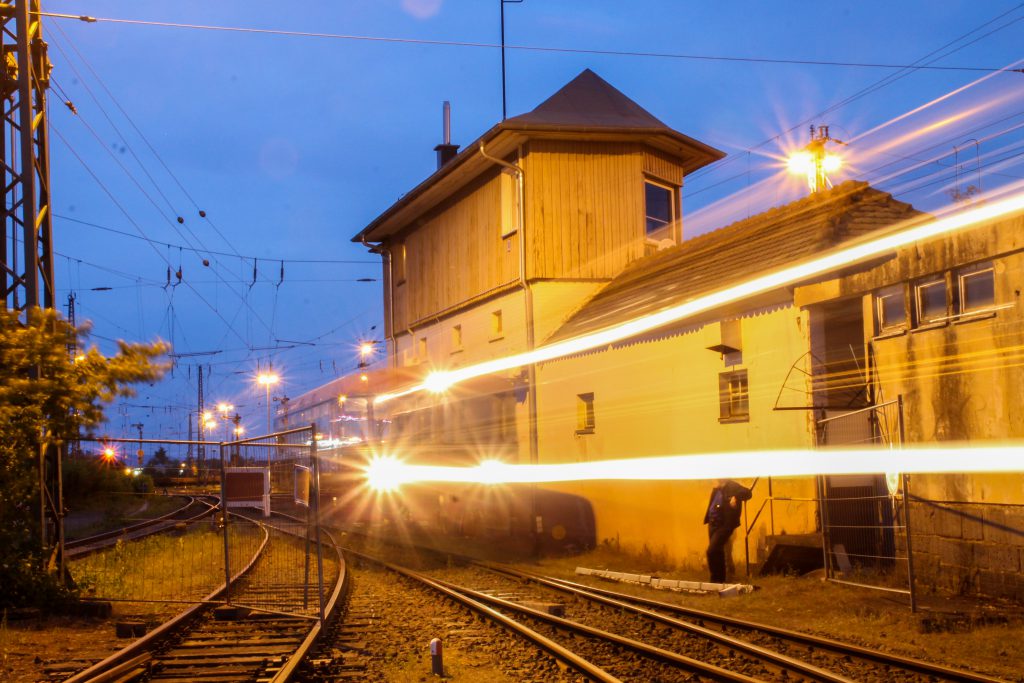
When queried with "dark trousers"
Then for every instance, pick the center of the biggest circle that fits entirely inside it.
(718, 537)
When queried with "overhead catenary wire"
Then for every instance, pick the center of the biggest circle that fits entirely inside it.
(497, 46)
(171, 245)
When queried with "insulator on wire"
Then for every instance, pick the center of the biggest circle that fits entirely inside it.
(202, 214)
(180, 219)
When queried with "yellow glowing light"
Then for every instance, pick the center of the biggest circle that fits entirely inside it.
(207, 416)
(342, 399)
(758, 285)
(239, 430)
(79, 358)
(364, 378)
(390, 473)
(832, 163)
(386, 473)
(266, 378)
(109, 453)
(365, 349)
(437, 382)
(800, 163)
(224, 407)
(128, 471)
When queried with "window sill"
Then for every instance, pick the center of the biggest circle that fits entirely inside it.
(974, 316)
(891, 334)
(584, 432)
(931, 326)
(733, 420)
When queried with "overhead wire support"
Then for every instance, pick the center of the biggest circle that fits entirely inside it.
(24, 79)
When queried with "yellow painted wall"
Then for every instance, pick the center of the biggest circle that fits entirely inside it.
(661, 397)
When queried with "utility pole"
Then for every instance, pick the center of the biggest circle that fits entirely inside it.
(504, 104)
(138, 425)
(200, 419)
(26, 260)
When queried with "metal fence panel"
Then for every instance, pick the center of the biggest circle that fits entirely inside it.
(865, 530)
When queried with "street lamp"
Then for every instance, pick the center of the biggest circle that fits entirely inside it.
(268, 379)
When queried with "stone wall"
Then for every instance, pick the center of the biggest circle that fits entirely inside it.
(968, 548)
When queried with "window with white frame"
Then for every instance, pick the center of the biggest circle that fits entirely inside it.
(733, 397)
(891, 309)
(930, 300)
(976, 288)
(660, 211)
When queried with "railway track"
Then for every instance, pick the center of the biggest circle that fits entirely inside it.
(603, 655)
(747, 648)
(195, 509)
(884, 665)
(257, 628)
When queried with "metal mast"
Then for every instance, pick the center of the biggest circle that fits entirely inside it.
(26, 272)
(26, 260)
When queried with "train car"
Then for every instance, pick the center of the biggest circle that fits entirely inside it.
(474, 422)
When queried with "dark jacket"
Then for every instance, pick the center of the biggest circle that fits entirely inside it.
(729, 517)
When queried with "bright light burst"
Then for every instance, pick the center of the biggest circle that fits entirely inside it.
(801, 163)
(390, 473)
(387, 473)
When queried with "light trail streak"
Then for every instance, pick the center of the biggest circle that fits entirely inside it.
(791, 275)
(391, 473)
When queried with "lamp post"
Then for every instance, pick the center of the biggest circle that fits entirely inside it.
(268, 379)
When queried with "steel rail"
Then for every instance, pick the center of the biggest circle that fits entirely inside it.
(99, 672)
(941, 672)
(81, 546)
(567, 656)
(756, 651)
(341, 584)
(651, 651)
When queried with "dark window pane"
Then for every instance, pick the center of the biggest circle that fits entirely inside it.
(932, 300)
(978, 290)
(891, 311)
(658, 203)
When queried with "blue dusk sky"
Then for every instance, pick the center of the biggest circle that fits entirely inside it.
(291, 144)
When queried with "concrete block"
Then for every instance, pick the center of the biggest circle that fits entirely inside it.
(1004, 525)
(974, 529)
(955, 552)
(1000, 558)
(946, 523)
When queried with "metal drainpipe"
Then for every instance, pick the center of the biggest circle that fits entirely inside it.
(531, 369)
(386, 253)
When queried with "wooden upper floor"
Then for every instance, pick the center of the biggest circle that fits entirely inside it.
(589, 179)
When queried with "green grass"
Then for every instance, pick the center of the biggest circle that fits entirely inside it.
(108, 512)
(170, 566)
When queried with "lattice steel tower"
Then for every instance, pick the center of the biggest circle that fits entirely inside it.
(26, 272)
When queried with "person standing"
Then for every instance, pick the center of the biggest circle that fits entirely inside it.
(722, 517)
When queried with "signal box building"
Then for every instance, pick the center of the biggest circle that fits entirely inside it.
(567, 219)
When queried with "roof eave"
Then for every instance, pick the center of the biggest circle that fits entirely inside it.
(506, 136)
